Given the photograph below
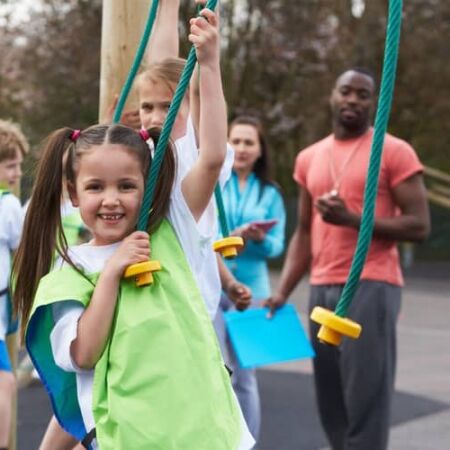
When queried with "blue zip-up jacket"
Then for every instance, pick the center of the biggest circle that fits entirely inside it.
(250, 266)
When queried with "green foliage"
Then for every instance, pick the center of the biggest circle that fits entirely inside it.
(281, 58)
(52, 80)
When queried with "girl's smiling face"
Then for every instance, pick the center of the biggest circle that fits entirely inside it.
(108, 190)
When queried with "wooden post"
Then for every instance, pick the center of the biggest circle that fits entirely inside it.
(122, 27)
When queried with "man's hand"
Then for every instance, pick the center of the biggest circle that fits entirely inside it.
(239, 294)
(274, 302)
(333, 210)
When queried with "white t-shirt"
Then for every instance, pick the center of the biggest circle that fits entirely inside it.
(66, 315)
(92, 259)
(207, 274)
(67, 208)
(11, 223)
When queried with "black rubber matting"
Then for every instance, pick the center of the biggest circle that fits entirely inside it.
(289, 422)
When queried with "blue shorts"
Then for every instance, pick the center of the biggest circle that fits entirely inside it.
(5, 363)
(8, 324)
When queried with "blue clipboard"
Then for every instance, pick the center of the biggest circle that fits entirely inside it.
(259, 341)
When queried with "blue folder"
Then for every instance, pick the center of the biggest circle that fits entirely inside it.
(259, 341)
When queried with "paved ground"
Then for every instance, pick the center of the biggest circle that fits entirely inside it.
(421, 413)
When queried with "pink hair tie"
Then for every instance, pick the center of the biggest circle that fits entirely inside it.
(75, 135)
(145, 135)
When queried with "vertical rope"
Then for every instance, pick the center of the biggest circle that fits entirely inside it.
(136, 63)
(217, 191)
(221, 210)
(381, 121)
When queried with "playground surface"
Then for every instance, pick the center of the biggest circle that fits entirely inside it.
(421, 409)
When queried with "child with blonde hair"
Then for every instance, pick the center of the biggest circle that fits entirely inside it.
(156, 87)
(13, 148)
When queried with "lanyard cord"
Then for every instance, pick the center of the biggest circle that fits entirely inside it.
(337, 178)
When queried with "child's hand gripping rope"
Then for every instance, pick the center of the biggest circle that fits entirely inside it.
(204, 35)
(134, 249)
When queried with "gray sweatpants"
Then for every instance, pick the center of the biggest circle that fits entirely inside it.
(355, 381)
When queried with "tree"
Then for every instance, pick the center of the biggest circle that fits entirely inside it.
(54, 67)
(280, 59)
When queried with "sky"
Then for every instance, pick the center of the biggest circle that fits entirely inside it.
(19, 9)
(358, 7)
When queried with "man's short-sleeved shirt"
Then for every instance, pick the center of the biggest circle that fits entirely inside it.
(317, 169)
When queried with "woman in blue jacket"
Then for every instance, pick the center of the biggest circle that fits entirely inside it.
(255, 211)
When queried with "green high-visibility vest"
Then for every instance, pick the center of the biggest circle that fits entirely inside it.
(161, 382)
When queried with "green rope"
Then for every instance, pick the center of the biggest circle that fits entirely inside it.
(136, 63)
(165, 133)
(381, 121)
(221, 211)
(217, 191)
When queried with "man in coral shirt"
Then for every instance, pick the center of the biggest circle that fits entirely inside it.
(355, 381)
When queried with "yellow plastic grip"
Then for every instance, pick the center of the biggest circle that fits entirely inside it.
(142, 272)
(334, 327)
(229, 246)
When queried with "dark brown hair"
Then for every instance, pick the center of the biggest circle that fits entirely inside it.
(43, 232)
(261, 168)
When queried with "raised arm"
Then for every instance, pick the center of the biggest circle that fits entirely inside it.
(194, 102)
(164, 41)
(198, 185)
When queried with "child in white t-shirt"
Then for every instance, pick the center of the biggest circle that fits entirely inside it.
(156, 87)
(13, 148)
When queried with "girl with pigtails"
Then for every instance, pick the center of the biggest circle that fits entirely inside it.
(129, 367)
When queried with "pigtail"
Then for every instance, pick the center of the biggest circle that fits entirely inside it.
(42, 231)
(164, 184)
